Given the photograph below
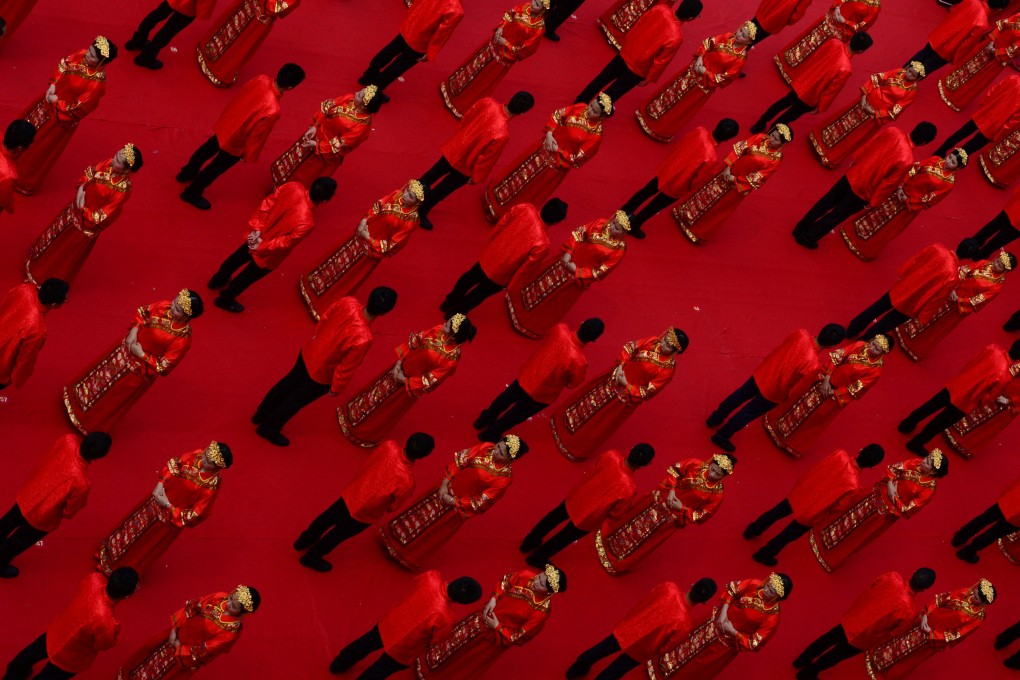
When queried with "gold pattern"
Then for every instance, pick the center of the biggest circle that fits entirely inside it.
(882, 341)
(784, 131)
(962, 154)
(417, 189)
(215, 456)
(776, 581)
(129, 154)
(606, 102)
(936, 459)
(553, 576)
(622, 219)
(244, 597)
(985, 586)
(513, 445)
(184, 301)
(919, 67)
(103, 45)
(368, 94)
(1004, 259)
(724, 462)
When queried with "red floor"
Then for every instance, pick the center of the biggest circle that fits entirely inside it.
(715, 293)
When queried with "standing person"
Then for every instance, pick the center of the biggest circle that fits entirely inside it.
(84, 628)
(1001, 230)
(422, 618)
(560, 11)
(75, 90)
(17, 137)
(843, 20)
(158, 340)
(325, 363)
(239, 133)
(981, 426)
(772, 16)
(996, 117)
(57, 488)
(975, 70)
(622, 16)
(381, 486)
(280, 224)
(199, 632)
(1000, 519)
(23, 328)
(959, 34)
(236, 36)
(175, 15)
(103, 189)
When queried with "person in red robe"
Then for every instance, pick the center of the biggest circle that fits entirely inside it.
(691, 493)
(691, 163)
(471, 154)
(103, 189)
(339, 126)
(517, 246)
(325, 363)
(57, 488)
(662, 615)
(75, 91)
(281, 222)
(1001, 230)
(716, 64)
(745, 620)
(824, 487)
(604, 493)
(1001, 519)
(959, 34)
(558, 363)
(17, 137)
(514, 615)
(982, 425)
(236, 36)
(158, 340)
(183, 498)
(424, 362)
(648, 49)
(239, 133)
(772, 16)
(572, 137)
(843, 20)
(85, 627)
(886, 609)
(474, 482)
(382, 233)
(426, 27)
(745, 169)
(945, 623)
(975, 70)
(780, 374)
(848, 373)
(382, 484)
(620, 18)
(199, 632)
(515, 39)
(925, 185)
(175, 15)
(906, 488)
(597, 409)
(23, 328)
(538, 299)
(422, 618)
(997, 117)
(981, 382)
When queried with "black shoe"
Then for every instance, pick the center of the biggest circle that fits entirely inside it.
(723, 443)
(906, 426)
(714, 419)
(425, 223)
(315, 563)
(1007, 637)
(577, 670)
(958, 539)
(216, 282)
(337, 666)
(10, 571)
(917, 448)
(150, 63)
(184, 176)
(807, 674)
(968, 555)
(481, 422)
(136, 43)
(534, 562)
(801, 662)
(489, 436)
(228, 305)
(552, 36)
(383, 98)
(804, 243)
(256, 419)
(637, 233)
(764, 558)
(751, 532)
(759, 126)
(197, 200)
(530, 544)
(1013, 324)
(274, 437)
(304, 541)
(367, 79)
(1013, 662)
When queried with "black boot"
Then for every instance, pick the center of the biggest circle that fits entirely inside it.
(136, 42)
(147, 57)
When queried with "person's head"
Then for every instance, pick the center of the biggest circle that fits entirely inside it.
(381, 301)
(187, 305)
(600, 107)
(880, 345)
(984, 592)
(414, 193)
(549, 581)
(780, 135)
(419, 445)
(673, 341)
(746, 34)
(19, 135)
(464, 590)
(323, 189)
(702, 591)
(590, 330)
(957, 158)
(870, 456)
(217, 456)
(968, 249)
(539, 7)
(128, 159)
(619, 224)
(460, 328)
(122, 583)
(289, 76)
(553, 212)
(725, 129)
(510, 447)
(641, 455)
(721, 465)
(53, 293)
(100, 52)
(831, 335)
(777, 586)
(521, 102)
(95, 445)
(367, 99)
(922, 579)
(860, 42)
(914, 71)
(1014, 350)
(243, 601)
(935, 464)
(923, 133)
(1004, 262)
(688, 10)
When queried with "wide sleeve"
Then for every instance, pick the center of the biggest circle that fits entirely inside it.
(194, 657)
(486, 160)
(28, 352)
(173, 355)
(197, 513)
(478, 504)
(86, 103)
(662, 59)
(589, 147)
(418, 385)
(442, 33)
(350, 361)
(261, 215)
(76, 500)
(284, 243)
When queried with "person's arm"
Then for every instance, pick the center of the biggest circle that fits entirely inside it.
(486, 160)
(350, 361)
(28, 353)
(442, 33)
(75, 501)
(418, 385)
(257, 139)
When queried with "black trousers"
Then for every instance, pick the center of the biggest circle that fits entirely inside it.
(998, 233)
(561, 539)
(790, 533)
(451, 181)
(294, 391)
(791, 107)
(945, 415)
(616, 80)
(973, 145)
(331, 528)
(929, 57)
(175, 23)
(472, 289)
(828, 650)
(886, 319)
(384, 666)
(560, 12)
(391, 62)
(994, 526)
(16, 535)
(249, 275)
(511, 408)
(771, 516)
(20, 668)
(754, 406)
(654, 201)
(760, 34)
(619, 667)
(219, 162)
(838, 203)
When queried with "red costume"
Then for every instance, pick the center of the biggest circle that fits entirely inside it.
(283, 220)
(481, 72)
(881, 167)
(596, 410)
(557, 363)
(870, 512)
(482, 135)
(604, 493)
(791, 365)
(98, 398)
(624, 541)
(854, 16)
(236, 36)
(390, 223)
(750, 164)
(962, 31)
(8, 179)
(428, 24)
(244, 126)
(422, 618)
(200, 9)
(86, 627)
(623, 15)
(340, 128)
(341, 341)
(62, 248)
(651, 45)
(58, 486)
(22, 334)
(472, 647)
(821, 77)
(517, 246)
(384, 481)
(832, 480)
(886, 609)
(981, 381)
(14, 13)
(150, 529)
(775, 15)
(795, 424)
(661, 615)
(925, 282)
(427, 359)
(975, 70)
(79, 87)
(998, 119)
(476, 481)
(673, 105)
(691, 164)
(535, 305)
(982, 425)
(534, 175)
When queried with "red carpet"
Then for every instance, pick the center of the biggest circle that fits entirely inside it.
(736, 297)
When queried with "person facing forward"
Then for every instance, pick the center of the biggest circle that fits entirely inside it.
(1000, 519)
(422, 618)
(23, 328)
(325, 363)
(175, 15)
(17, 137)
(239, 133)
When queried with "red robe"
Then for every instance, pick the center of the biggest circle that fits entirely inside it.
(517, 246)
(653, 42)
(925, 281)
(832, 480)
(821, 78)
(200, 9)
(962, 31)
(244, 126)
(84, 628)
(22, 334)
(789, 366)
(382, 484)
(557, 363)
(998, 114)
(886, 609)
(14, 13)
(881, 167)
(975, 70)
(595, 411)
(428, 24)
(8, 179)
(422, 618)
(659, 616)
(236, 36)
(857, 16)
(617, 21)
(284, 220)
(1009, 503)
(775, 15)
(340, 344)
(692, 162)
(58, 486)
(605, 492)
(482, 135)
(981, 381)
(982, 426)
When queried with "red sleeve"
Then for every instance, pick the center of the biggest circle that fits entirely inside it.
(28, 352)
(345, 369)
(257, 139)
(443, 33)
(486, 160)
